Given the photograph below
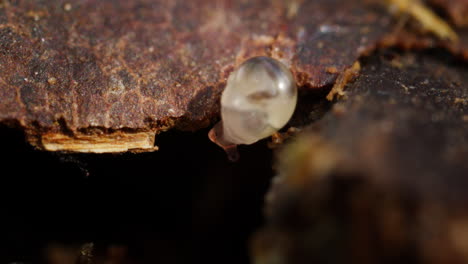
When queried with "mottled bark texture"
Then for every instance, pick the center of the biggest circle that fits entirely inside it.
(382, 178)
(73, 73)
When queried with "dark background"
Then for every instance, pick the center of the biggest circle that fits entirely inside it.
(182, 204)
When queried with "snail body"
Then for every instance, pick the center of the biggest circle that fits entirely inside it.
(259, 99)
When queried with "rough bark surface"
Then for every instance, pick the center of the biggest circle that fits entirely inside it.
(382, 177)
(118, 66)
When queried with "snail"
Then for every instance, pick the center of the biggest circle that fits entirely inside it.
(259, 99)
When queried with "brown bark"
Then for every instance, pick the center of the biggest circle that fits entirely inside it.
(99, 69)
(382, 177)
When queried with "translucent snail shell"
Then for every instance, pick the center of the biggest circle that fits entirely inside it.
(259, 99)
